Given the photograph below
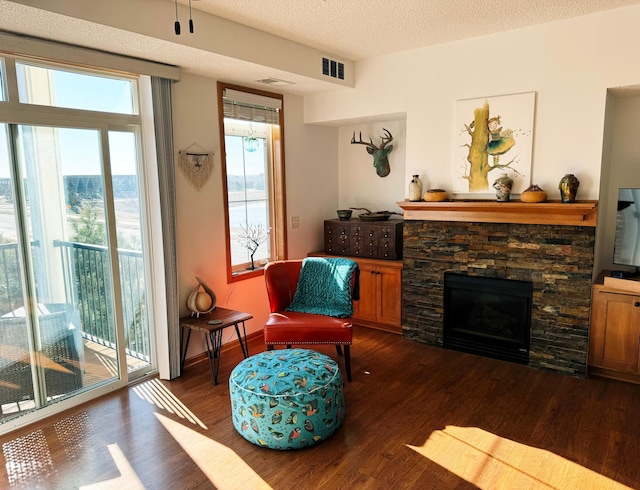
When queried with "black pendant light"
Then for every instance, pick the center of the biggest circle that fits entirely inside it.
(190, 19)
(176, 24)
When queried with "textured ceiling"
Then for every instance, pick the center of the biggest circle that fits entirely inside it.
(358, 29)
(353, 29)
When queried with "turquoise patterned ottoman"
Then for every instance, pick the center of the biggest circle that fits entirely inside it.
(286, 399)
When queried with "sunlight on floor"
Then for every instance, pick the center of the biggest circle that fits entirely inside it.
(490, 461)
(78, 437)
(158, 394)
(127, 479)
(224, 468)
(30, 465)
(28, 461)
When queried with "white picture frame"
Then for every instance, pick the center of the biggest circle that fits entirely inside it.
(493, 135)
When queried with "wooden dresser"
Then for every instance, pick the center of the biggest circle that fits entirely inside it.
(357, 238)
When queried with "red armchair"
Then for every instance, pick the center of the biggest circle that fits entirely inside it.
(294, 328)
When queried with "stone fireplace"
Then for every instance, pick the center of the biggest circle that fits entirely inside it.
(549, 244)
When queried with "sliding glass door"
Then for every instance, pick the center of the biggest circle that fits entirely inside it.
(73, 302)
(75, 293)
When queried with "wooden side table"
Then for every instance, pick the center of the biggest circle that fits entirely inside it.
(213, 334)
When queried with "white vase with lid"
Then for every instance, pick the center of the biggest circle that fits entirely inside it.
(415, 189)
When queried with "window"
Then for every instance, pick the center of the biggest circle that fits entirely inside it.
(64, 88)
(251, 124)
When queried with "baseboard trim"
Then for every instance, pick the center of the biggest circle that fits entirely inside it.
(611, 374)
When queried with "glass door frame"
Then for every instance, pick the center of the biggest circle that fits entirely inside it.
(27, 118)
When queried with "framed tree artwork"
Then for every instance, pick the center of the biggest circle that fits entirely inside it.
(493, 135)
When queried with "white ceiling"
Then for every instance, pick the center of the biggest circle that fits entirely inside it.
(359, 29)
(353, 29)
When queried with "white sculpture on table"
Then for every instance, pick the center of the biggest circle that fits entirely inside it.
(201, 302)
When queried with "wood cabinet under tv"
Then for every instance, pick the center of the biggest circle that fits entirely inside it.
(614, 341)
(380, 305)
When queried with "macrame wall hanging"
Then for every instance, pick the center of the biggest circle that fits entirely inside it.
(196, 165)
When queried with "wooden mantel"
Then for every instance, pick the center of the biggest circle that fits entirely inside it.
(579, 213)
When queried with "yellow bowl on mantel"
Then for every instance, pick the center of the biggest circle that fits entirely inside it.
(533, 194)
(435, 195)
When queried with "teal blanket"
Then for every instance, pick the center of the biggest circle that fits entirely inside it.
(324, 287)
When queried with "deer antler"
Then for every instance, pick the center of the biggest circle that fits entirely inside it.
(370, 144)
(387, 139)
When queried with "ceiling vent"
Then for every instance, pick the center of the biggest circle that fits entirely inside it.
(275, 81)
(332, 68)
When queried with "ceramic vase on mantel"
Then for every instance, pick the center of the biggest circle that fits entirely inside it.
(533, 193)
(415, 189)
(568, 188)
(503, 185)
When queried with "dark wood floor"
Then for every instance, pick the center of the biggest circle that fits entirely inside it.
(416, 417)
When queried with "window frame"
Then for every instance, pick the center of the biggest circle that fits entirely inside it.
(275, 182)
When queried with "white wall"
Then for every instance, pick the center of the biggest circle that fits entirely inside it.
(311, 166)
(311, 160)
(568, 64)
(359, 184)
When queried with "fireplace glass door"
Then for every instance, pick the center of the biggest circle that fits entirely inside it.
(488, 316)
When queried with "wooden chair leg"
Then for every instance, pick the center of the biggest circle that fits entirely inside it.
(347, 360)
(339, 349)
(270, 347)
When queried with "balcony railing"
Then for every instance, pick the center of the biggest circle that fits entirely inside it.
(87, 286)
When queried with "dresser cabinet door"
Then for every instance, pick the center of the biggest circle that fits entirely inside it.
(365, 308)
(615, 327)
(389, 304)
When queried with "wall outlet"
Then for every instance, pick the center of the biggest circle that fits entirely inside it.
(295, 221)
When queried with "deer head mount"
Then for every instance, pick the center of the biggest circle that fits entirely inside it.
(380, 154)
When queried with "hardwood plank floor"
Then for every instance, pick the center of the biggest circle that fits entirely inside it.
(416, 417)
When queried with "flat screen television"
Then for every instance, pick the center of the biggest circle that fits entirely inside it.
(626, 245)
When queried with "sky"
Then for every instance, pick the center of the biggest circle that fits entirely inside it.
(79, 149)
(253, 161)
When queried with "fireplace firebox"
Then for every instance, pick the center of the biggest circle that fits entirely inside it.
(488, 316)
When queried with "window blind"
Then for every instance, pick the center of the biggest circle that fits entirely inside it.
(251, 107)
